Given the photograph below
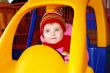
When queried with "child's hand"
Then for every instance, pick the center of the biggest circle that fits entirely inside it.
(65, 53)
(66, 56)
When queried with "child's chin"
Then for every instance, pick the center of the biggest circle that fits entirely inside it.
(53, 42)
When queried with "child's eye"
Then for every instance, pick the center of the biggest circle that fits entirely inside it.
(56, 29)
(46, 30)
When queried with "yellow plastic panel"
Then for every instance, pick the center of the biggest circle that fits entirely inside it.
(41, 59)
(53, 8)
(8, 68)
(78, 57)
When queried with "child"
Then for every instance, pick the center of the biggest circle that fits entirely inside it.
(54, 34)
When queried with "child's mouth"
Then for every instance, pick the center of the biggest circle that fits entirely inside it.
(53, 38)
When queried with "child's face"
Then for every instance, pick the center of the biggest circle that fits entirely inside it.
(53, 33)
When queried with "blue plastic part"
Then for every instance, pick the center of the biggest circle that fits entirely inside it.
(91, 21)
(31, 29)
(97, 59)
(108, 60)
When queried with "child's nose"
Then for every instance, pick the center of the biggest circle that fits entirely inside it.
(53, 33)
